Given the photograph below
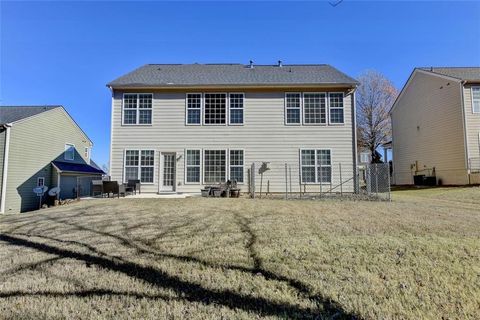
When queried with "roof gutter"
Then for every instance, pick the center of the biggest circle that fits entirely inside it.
(227, 86)
(7, 127)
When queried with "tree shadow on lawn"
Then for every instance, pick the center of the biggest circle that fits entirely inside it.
(188, 291)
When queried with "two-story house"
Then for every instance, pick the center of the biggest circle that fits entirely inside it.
(436, 126)
(180, 127)
(42, 146)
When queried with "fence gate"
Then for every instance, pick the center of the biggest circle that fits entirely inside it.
(374, 180)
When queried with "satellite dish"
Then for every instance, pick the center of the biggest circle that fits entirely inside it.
(40, 190)
(54, 191)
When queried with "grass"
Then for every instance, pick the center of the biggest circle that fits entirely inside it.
(417, 257)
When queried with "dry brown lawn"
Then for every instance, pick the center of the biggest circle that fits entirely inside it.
(414, 258)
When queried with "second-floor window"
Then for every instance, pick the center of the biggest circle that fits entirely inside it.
(292, 108)
(215, 108)
(137, 108)
(194, 108)
(476, 99)
(236, 108)
(335, 101)
(314, 108)
(69, 153)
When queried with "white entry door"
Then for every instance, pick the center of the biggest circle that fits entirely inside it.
(168, 171)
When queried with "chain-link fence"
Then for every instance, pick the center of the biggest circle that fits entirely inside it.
(374, 181)
(318, 180)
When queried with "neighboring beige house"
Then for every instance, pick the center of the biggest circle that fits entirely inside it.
(436, 126)
(41, 145)
(180, 127)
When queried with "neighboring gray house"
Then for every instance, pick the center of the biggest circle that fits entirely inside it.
(180, 127)
(41, 145)
(436, 126)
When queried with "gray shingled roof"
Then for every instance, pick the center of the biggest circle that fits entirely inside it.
(165, 75)
(462, 73)
(9, 114)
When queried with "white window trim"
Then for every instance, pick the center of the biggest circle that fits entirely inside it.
(325, 94)
(185, 166)
(343, 109)
(316, 167)
(471, 94)
(38, 181)
(201, 109)
(87, 153)
(137, 109)
(243, 166)
(139, 174)
(227, 107)
(285, 109)
(227, 162)
(367, 154)
(65, 152)
(243, 110)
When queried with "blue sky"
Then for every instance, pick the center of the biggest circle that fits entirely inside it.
(65, 52)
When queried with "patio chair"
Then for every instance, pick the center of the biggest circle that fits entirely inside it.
(97, 187)
(135, 185)
(114, 188)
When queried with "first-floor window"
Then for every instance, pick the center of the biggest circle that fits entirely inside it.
(316, 166)
(236, 165)
(214, 166)
(365, 157)
(192, 166)
(40, 181)
(139, 165)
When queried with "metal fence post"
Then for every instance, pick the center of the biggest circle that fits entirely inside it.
(369, 179)
(321, 181)
(341, 181)
(290, 178)
(299, 181)
(286, 182)
(252, 179)
(389, 188)
(376, 179)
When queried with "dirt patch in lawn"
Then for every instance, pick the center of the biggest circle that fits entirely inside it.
(416, 257)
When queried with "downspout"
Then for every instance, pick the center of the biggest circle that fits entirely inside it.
(354, 141)
(465, 136)
(7, 127)
(111, 133)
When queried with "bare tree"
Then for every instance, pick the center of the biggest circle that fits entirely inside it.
(375, 96)
(106, 168)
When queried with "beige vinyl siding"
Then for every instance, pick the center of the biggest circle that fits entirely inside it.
(2, 156)
(263, 137)
(34, 143)
(427, 124)
(472, 129)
